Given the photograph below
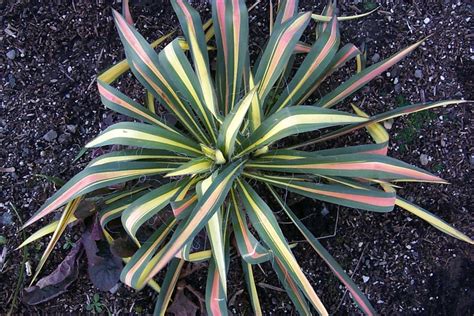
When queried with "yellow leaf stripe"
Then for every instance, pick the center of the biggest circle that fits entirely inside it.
(185, 232)
(278, 244)
(195, 166)
(133, 131)
(65, 219)
(301, 119)
(189, 23)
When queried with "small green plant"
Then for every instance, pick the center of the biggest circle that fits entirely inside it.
(95, 305)
(68, 243)
(229, 153)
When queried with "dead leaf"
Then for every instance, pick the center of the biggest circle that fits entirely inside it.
(182, 306)
(57, 282)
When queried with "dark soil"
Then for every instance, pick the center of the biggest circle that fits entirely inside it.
(50, 108)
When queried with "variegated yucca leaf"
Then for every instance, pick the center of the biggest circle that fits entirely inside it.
(356, 293)
(198, 178)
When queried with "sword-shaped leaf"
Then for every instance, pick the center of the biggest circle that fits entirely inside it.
(277, 53)
(93, 178)
(186, 83)
(251, 288)
(432, 219)
(145, 136)
(144, 63)
(216, 301)
(312, 68)
(404, 110)
(350, 165)
(346, 53)
(286, 10)
(147, 206)
(214, 228)
(291, 287)
(120, 103)
(429, 217)
(140, 154)
(168, 286)
(265, 223)
(137, 265)
(43, 231)
(115, 209)
(203, 211)
(65, 219)
(295, 120)
(250, 248)
(370, 200)
(231, 24)
(356, 293)
(192, 167)
(111, 74)
(181, 209)
(362, 78)
(232, 123)
(194, 33)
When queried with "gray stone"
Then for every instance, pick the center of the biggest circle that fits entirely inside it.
(6, 219)
(418, 74)
(11, 54)
(324, 211)
(375, 58)
(424, 159)
(63, 138)
(71, 128)
(50, 136)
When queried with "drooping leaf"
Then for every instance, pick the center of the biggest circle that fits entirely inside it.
(94, 178)
(356, 293)
(366, 199)
(168, 287)
(268, 229)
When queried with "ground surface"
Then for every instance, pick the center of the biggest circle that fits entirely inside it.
(50, 54)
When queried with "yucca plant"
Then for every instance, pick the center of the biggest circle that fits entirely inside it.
(224, 157)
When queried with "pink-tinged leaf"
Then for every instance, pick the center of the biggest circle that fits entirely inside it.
(338, 271)
(361, 79)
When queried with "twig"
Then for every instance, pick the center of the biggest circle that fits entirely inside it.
(21, 275)
(352, 276)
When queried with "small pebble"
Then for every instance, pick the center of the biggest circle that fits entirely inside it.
(418, 74)
(375, 58)
(71, 128)
(50, 136)
(324, 211)
(11, 54)
(424, 159)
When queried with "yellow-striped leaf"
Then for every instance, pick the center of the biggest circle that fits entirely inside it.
(268, 229)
